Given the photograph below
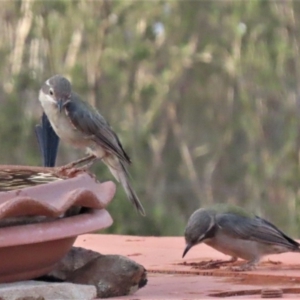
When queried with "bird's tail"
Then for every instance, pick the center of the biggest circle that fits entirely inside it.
(118, 169)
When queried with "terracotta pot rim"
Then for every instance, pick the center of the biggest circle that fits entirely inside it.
(93, 220)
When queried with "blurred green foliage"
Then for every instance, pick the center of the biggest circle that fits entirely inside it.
(205, 96)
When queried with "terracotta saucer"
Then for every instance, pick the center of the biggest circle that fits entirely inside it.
(31, 250)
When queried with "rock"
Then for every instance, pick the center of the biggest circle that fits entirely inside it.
(76, 258)
(112, 275)
(36, 290)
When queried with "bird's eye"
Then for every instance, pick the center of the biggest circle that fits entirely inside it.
(51, 92)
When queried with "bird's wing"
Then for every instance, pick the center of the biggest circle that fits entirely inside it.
(95, 127)
(256, 229)
(278, 231)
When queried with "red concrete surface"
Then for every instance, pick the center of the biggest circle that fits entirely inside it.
(168, 279)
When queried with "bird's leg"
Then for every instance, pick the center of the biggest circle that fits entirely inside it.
(71, 169)
(250, 265)
(87, 160)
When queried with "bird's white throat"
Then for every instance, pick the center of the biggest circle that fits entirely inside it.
(46, 98)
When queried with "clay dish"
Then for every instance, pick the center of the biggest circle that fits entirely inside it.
(38, 225)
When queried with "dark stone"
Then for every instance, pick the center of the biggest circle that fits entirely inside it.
(76, 258)
(112, 275)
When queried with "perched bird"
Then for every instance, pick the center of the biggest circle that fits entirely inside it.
(232, 231)
(80, 124)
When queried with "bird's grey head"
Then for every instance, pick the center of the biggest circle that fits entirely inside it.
(201, 226)
(57, 90)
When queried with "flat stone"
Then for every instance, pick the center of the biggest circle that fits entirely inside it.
(36, 290)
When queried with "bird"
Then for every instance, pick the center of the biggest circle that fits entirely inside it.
(80, 124)
(233, 231)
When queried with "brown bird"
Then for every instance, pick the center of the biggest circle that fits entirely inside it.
(81, 125)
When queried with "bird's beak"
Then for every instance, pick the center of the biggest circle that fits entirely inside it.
(187, 248)
(60, 104)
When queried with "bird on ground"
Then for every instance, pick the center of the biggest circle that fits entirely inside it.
(81, 125)
(235, 232)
